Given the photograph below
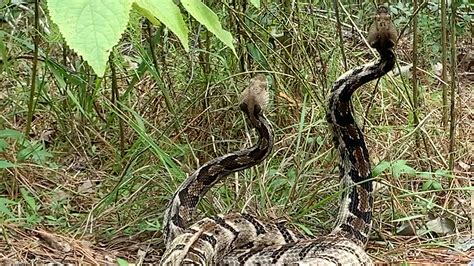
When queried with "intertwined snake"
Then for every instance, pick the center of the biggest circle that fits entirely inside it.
(241, 239)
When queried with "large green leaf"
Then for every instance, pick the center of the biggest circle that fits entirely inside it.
(208, 18)
(168, 13)
(91, 27)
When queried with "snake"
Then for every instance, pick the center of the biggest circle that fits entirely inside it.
(243, 239)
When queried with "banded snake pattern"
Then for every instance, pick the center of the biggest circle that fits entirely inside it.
(242, 239)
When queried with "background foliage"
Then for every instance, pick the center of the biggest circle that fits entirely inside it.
(103, 155)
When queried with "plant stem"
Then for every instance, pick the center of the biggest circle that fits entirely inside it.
(339, 32)
(114, 100)
(444, 63)
(452, 125)
(414, 72)
(158, 75)
(31, 100)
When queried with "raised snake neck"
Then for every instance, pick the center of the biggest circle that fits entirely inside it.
(345, 244)
(179, 212)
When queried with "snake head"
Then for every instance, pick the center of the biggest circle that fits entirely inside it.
(255, 97)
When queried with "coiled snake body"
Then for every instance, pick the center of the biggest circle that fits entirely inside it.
(241, 239)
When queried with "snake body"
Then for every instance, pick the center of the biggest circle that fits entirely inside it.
(241, 239)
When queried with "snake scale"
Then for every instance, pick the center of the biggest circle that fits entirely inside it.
(242, 239)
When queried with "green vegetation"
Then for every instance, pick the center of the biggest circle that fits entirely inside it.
(92, 152)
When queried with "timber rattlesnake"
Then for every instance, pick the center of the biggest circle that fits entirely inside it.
(238, 239)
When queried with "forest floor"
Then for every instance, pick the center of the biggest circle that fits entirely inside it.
(39, 246)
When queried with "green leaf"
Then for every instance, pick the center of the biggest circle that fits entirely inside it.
(430, 183)
(400, 167)
(437, 185)
(7, 164)
(272, 172)
(3, 145)
(122, 262)
(91, 27)
(41, 155)
(167, 12)
(305, 229)
(146, 13)
(276, 183)
(4, 3)
(58, 74)
(255, 3)
(408, 218)
(442, 173)
(208, 18)
(380, 168)
(426, 175)
(10, 133)
(291, 173)
(319, 140)
(4, 208)
(3, 52)
(29, 199)
(139, 122)
(426, 185)
(36, 151)
(257, 55)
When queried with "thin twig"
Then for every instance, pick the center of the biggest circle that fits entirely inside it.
(452, 125)
(339, 32)
(31, 101)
